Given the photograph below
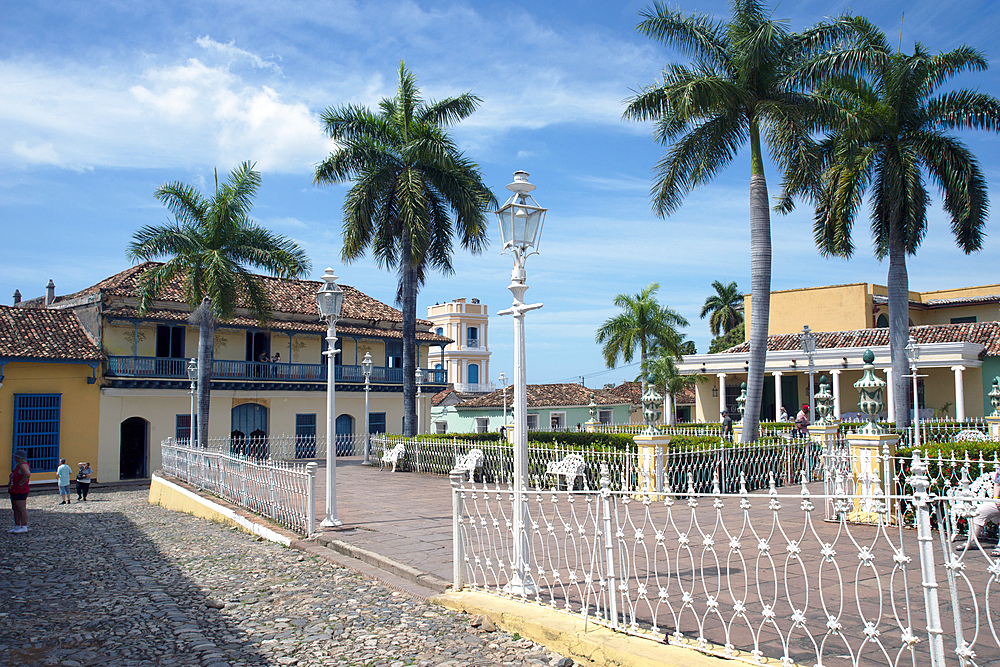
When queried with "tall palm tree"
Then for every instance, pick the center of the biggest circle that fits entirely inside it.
(892, 131)
(412, 191)
(725, 308)
(643, 323)
(210, 247)
(664, 374)
(742, 84)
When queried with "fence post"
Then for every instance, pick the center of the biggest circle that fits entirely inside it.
(609, 547)
(457, 542)
(659, 471)
(925, 549)
(311, 499)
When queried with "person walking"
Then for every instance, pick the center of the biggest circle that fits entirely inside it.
(17, 487)
(727, 426)
(83, 480)
(63, 472)
(783, 417)
(802, 422)
(988, 511)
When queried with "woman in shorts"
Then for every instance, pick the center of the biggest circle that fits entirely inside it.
(18, 490)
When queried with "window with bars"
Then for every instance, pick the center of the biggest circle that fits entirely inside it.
(36, 429)
(305, 435)
(376, 422)
(182, 427)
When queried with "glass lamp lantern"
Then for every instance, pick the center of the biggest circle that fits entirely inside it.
(807, 340)
(418, 376)
(912, 351)
(521, 219)
(329, 298)
(366, 364)
(193, 369)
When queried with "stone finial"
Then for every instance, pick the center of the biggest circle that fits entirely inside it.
(593, 408)
(741, 401)
(995, 397)
(17, 296)
(50, 292)
(870, 390)
(824, 403)
(651, 401)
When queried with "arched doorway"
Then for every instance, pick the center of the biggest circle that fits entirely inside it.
(345, 429)
(249, 430)
(134, 449)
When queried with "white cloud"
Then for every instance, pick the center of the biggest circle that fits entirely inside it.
(39, 153)
(234, 53)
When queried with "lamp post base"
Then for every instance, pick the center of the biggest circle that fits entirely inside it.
(525, 588)
(331, 523)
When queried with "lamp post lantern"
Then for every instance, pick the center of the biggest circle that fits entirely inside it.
(503, 384)
(419, 377)
(912, 355)
(521, 220)
(193, 376)
(330, 299)
(366, 367)
(807, 343)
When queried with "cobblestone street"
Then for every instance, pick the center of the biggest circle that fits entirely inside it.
(116, 581)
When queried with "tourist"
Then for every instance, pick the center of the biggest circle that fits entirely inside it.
(802, 422)
(63, 472)
(18, 490)
(783, 417)
(83, 480)
(727, 426)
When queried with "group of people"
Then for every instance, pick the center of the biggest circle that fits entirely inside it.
(20, 478)
(84, 477)
(801, 429)
(264, 359)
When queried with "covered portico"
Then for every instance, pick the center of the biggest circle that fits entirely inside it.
(951, 357)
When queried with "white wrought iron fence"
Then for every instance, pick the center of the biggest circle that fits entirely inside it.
(754, 576)
(283, 491)
(287, 447)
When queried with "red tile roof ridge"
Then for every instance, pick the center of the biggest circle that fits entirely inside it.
(36, 333)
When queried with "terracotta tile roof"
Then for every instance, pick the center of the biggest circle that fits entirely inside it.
(986, 333)
(296, 297)
(343, 328)
(547, 395)
(440, 396)
(942, 303)
(633, 392)
(44, 334)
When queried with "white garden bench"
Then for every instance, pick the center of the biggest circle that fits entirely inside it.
(569, 468)
(981, 489)
(394, 456)
(970, 435)
(470, 462)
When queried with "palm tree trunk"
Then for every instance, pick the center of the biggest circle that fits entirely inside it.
(205, 320)
(899, 326)
(409, 338)
(760, 287)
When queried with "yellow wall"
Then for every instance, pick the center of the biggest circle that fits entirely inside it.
(832, 308)
(118, 339)
(987, 312)
(79, 407)
(961, 292)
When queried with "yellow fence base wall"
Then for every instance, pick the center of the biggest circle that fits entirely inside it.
(174, 497)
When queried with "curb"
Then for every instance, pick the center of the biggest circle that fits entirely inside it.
(425, 579)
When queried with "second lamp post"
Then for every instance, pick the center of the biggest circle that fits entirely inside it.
(521, 220)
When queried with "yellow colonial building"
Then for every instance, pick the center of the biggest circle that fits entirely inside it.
(144, 392)
(49, 390)
(957, 330)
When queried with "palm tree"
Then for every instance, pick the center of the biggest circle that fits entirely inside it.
(664, 374)
(412, 191)
(209, 248)
(643, 323)
(892, 131)
(725, 308)
(742, 84)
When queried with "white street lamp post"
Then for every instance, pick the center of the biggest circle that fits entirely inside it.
(419, 376)
(330, 298)
(503, 383)
(912, 355)
(807, 342)
(193, 376)
(366, 367)
(521, 220)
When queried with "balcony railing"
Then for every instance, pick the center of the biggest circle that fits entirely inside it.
(226, 369)
(472, 343)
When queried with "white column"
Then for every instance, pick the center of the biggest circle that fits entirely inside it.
(668, 409)
(777, 393)
(722, 392)
(836, 392)
(959, 393)
(890, 405)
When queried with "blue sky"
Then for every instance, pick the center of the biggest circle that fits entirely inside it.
(105, 101)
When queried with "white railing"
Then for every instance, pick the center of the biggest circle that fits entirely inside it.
(475, 387)
(287, 447)
(758, 577)
(282, 491)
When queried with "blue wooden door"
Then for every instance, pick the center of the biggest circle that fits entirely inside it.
(249, 430)
(345, 429)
